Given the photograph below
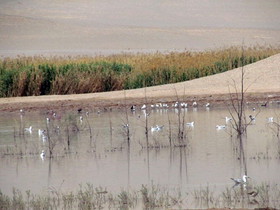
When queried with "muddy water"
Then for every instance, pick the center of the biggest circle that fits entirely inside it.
(209, 158)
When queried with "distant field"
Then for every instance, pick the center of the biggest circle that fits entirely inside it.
(83, 27)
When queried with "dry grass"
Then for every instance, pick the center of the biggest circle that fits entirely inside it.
(152, 197)
(28, 76)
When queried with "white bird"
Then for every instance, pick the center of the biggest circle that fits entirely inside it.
(125, 125)
(228, 119)
(28, 129)
(43, 154)
(81, 119)
(144, 106)
(48, 120)
(240, 181)
(194, 104)
(157, 128)
(182, 104)
(252, 118)
(160, 127)
(219, 127)
(41, 132)
(159, 105)
(133, 108)
(153, 129)
(207, 105)
(270, 120)
(176, 104)
(190, 124)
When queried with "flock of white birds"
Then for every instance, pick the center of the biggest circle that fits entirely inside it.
(42, 133)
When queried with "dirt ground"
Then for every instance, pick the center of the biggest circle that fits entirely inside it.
(83, 27)
(261, 83)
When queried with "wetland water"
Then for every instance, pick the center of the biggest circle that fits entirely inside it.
(209, 159)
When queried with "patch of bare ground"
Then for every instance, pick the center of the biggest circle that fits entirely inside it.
(262, 83)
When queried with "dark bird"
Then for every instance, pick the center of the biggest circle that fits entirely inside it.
(133, 108)
(252, 118)
(265, 104)
(253, 193)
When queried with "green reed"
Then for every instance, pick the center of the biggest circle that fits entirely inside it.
(28, 76)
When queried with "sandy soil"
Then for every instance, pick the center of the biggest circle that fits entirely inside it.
(262, 83)
(84, 27)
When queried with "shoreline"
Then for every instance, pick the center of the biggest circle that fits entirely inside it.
(94, 101)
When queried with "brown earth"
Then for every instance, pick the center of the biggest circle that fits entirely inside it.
(261, 81)
(84, 27)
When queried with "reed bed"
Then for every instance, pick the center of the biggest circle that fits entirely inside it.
(152, 197)
(38, 75)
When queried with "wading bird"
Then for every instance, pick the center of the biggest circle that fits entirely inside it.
(28, 129)
(41, 132)
(157, 128)
(270, 120)
(194, 104)
(228, 119)
(43, 154)
(190, 124)
(252, 118)
(144, 106)
(240, 181)
(219, 127)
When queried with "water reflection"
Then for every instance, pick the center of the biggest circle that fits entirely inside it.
(148, 163)
(128, 165)
(98, 150)
(49, 172)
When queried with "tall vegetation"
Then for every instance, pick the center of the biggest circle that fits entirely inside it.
(27, 76)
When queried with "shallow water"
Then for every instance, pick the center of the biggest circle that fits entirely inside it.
(209, 159)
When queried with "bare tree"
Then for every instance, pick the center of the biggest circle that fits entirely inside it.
(90, 130)
(182, 135)
(51, 138)
(169, 130)
(111, 129)
(146, 120)
(237, 103)
(126, 128)
(238, 115)
(274, 125)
